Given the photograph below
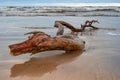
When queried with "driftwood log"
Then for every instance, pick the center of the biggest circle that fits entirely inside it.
(40, 41)
(73, 29)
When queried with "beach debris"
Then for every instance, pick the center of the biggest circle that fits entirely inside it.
(40, 41)
(68, 25)
(73, 29)
(89, 24)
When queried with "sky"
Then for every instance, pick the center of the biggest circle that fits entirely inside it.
(50, 2)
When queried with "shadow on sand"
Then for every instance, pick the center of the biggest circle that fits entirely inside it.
(39, 66)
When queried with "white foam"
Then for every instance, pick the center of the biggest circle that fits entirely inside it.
(113, 34)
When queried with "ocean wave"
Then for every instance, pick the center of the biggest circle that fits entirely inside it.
(60, 11)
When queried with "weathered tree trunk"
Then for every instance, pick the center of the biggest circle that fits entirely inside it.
(42, 42)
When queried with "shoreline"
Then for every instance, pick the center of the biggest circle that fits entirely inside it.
(100, 60)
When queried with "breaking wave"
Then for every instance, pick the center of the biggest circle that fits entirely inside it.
(60, 11)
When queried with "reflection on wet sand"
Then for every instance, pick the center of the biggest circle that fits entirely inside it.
(39, 66)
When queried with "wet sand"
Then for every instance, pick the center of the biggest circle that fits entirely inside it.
(99, 61)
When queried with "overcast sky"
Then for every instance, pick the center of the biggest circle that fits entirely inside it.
(49, 2)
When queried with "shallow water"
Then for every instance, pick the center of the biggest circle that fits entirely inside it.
(99, 61)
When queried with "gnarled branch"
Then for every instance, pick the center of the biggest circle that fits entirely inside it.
(72, 28)
(69, 26)
(40, 41)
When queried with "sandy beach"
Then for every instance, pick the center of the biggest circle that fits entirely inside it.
(99, 61)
